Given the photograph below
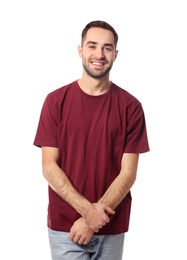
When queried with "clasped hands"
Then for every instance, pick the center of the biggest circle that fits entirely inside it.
(94, 219)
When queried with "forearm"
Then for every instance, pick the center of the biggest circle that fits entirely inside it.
(122, 183)
(117, 191)
(60, 183)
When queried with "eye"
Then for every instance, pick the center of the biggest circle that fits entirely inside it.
(91, 46)
(108, 49)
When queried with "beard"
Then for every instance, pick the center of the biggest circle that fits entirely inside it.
(94, 73)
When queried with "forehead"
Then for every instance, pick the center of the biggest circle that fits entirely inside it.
(100, 36)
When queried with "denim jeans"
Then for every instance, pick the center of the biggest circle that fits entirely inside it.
(109, 247)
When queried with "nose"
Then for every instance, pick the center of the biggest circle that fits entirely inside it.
(100, 53)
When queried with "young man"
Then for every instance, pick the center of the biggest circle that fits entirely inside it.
(91, 132)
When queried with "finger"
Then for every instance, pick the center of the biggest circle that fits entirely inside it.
(109, 210)
(71, 235)
(81, 241)
(76, 239)
(86, 241)
(105, 220)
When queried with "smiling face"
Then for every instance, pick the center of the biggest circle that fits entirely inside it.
(98, 52)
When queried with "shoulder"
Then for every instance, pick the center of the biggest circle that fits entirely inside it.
(124, 96)
(58, 95)
(62, 90)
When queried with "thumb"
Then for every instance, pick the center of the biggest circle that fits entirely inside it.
(109, 210)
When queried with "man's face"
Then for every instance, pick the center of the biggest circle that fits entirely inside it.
(98, 52)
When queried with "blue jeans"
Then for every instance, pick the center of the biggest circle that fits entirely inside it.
(108, 247)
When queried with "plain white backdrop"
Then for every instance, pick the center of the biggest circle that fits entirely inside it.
(38, 53)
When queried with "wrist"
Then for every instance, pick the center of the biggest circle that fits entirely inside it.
(84, 208)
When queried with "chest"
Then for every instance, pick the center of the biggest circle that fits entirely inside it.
(93, 116)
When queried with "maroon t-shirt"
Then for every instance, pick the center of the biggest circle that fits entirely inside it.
(91, 133)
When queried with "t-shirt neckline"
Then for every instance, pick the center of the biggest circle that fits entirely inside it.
(92, 96)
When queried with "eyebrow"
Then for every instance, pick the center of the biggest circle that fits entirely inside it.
(105, 44)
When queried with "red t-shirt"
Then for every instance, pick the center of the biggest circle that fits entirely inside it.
(91, 133)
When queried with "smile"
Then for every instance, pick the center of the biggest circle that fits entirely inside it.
(98, 63)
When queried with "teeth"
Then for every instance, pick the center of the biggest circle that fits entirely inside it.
(96, 63)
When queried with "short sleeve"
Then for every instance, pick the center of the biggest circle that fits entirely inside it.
(47, 131)
(136, 136)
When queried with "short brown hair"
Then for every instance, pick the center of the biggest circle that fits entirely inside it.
(102, 25)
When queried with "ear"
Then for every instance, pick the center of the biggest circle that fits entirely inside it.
(80, 51)
(116, 54)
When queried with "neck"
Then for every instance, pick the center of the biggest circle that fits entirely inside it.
(93, 86)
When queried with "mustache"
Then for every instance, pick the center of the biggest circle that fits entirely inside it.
(103, 59)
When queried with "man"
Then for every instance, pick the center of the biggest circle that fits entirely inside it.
(91, 132)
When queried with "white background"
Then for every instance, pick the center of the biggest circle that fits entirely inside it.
(38, 53)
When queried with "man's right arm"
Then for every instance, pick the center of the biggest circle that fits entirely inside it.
(94, 214)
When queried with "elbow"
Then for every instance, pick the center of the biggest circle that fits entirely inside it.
(134, 176)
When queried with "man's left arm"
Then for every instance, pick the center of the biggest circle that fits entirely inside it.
(123, 182)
